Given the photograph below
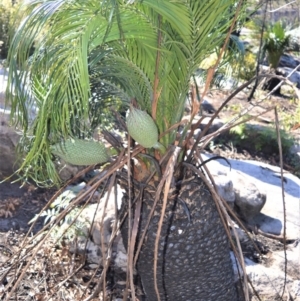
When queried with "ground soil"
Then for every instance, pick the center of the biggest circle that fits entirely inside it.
(18, 205)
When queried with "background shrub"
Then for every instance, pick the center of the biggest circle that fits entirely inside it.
(248, 66)
(8, 9)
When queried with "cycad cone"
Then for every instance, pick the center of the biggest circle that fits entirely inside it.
(81, 152)
(142, 128)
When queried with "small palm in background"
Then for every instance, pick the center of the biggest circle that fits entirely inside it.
(94, 58)
(276, 41)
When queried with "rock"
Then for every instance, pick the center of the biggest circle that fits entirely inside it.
(86, 247)
(268, 281)
(262, 276)
(296, 288)
(242, 236)
(238, 192)
(295, 39)
(216, 124)
(249, 200)
(10, 136)
(67, 171)
(120, 254)
(224, 82)
(289, 61)
(295, 149)
(101, 222)
(225, 188)
(8, 141)
(285, 71)
(224, 185)
(267, 180)
(207, 107)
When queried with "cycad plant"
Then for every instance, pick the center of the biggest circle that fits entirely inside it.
(276, 40)
(94, 57)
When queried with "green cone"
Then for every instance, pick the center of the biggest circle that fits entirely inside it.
(142, 128)
(81, 152)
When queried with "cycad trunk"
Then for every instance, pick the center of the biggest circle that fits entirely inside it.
(193, 257)
(271, 83)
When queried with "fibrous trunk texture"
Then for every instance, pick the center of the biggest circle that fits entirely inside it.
(193, 257)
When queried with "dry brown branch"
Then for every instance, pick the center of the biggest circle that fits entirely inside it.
(166, 181)
(283, 6)
(129, 263)
(232, 123)
(211, 70)
(108, 252)
(283, 198)
(156, 93)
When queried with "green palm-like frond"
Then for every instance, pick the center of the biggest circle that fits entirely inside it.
(90, 54)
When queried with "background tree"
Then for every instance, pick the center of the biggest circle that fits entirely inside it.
(91, 55)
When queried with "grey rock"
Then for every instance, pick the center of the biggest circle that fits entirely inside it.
(86, 247)
(225, 188)
(10, 159)
(9, 138)
(296, 288)
(100, 219)
(295, 149)
(249, 200)
(294, 78)
(242, 236)
(8, 141)
(238, 192)
(216, 124)
(289, 61)
(295, 39)
(67, 171)
(207, 107)
(268, 281)
(265, 178)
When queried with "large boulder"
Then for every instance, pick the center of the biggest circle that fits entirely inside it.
(267, 180)
(236, 189)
